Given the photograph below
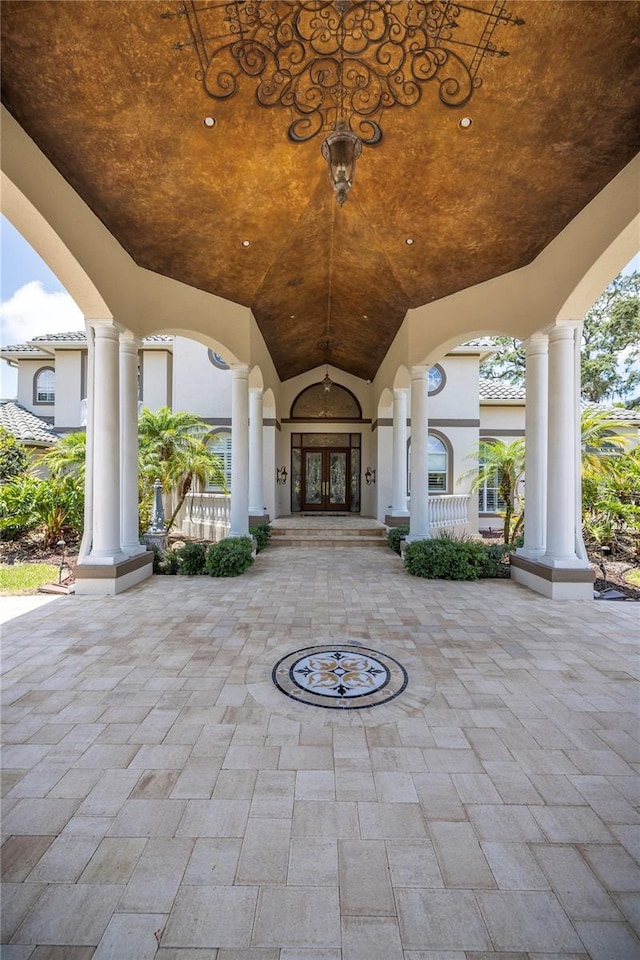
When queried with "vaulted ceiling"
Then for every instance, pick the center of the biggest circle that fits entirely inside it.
(101, 88)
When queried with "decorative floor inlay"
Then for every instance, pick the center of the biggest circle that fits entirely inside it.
(340, 677)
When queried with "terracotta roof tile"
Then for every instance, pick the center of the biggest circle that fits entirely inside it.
(23, 424)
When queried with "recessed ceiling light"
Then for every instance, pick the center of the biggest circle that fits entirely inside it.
(209, 121)
(364, 316)
(465, 123)
(246, 243)
(292, 316)
(409, 241)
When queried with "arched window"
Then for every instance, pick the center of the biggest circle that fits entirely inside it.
(220, 444)
(439, 464)
(44, 385)
(316, 403)
(489, 499)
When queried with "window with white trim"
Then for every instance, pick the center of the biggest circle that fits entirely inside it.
(438, 467)
(45, 386)
(489, 499)
(220, 444)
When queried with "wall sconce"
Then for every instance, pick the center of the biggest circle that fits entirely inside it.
(370, 475)
(281, 475)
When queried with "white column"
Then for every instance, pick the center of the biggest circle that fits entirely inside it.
(129, 536)
(535, 470)
(256, 495)
(399, 464)
(561, 464)
(239, 450)
(419, 514)
(87, 533)
(581, 550)
(106, 444)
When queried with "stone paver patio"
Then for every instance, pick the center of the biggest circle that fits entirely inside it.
(164, 801)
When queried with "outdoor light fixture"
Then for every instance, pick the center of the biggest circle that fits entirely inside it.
(341, 149)
(281, 475)
(370, 475)
(327, 382)
(337, 65)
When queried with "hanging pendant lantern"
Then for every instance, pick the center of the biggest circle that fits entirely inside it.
(327, 382)
(341, 149)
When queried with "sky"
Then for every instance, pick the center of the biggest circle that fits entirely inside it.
(33, 301)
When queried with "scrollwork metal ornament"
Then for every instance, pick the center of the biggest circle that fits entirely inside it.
(342, 60)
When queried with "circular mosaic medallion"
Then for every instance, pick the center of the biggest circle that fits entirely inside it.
(340, 677)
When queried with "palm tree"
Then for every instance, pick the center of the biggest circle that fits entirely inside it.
(68, 456)
(173, 449)
(502, 464)
(599, 443)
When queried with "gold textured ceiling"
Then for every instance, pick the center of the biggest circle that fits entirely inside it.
(100, 88)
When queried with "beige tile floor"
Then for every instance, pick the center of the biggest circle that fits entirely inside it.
(163, 800)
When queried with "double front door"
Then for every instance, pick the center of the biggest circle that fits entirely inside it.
(326, 479)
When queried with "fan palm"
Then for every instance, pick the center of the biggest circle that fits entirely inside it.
(173, 449)
(68, 456)
(502, 464)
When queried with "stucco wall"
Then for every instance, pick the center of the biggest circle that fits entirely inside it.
(68, 364)
(199, 386)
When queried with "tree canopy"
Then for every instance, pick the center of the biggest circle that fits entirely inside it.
(610, 355)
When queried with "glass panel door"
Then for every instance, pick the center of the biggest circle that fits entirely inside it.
(337, 486)
(313, 478)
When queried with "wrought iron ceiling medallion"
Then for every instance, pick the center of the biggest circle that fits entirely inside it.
(334, 62)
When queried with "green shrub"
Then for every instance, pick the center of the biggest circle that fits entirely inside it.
(54, 505)
(14, 458)
(444, 558)
(191, 559)
(229, 558)
(494, 566)
(165, 562)
(395, 535)
(261, 534)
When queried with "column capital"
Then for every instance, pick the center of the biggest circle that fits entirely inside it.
(563, 329)
(239, 371)
(106, 328)
(400, 393)
(536, 344)
(256, 391)
(419, 371)
(129, 341)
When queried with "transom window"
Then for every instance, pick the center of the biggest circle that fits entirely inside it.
(45, 386)
(220, 444)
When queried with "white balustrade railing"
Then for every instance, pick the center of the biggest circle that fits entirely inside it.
(206, 516)
(449, 510)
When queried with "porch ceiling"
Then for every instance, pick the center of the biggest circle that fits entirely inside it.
(100, 89)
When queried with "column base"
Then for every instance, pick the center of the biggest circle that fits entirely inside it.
(554, 582)
(397, 519)
(107, 559)
(530, 553)
(102, 580)
(133, 549)
(255, 519)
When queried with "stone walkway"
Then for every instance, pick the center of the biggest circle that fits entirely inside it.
(164, 801)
